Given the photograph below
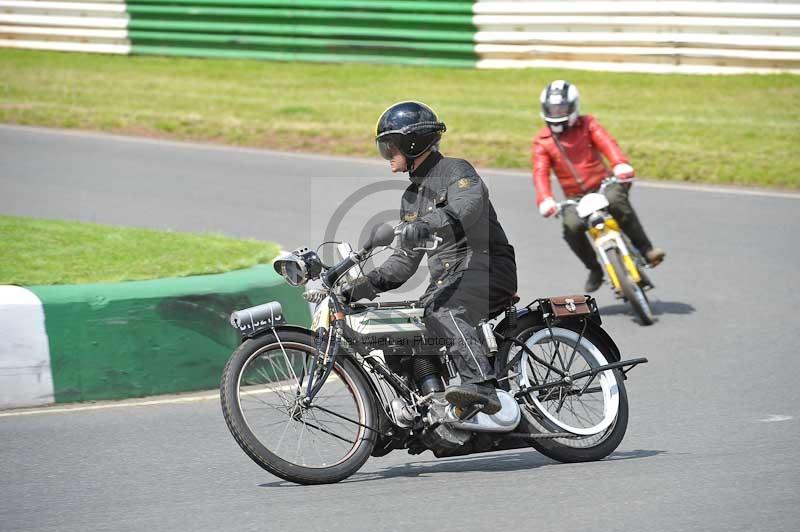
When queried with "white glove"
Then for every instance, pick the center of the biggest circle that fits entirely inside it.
(548, 207)
(623, 171)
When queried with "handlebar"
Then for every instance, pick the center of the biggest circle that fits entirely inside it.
(610, 180)
(335, 272)
(435, 241)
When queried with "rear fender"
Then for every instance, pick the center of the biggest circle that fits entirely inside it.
(594, 331)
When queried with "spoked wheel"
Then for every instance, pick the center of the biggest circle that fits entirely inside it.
(262, 392)
(594, 412)
(632, 292)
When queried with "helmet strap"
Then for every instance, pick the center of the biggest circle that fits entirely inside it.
(409, 163)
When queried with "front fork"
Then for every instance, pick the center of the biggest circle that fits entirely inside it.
(610, 241)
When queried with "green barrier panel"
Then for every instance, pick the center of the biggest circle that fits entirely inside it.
(299, 42)
(409, 32)
(291, 56)
(120, 340)
(279, 29)
(408, 6)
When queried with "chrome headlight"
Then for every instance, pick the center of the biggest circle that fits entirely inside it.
(597, 220)
(299, 266)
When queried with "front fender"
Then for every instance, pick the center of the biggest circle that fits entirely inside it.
(278, 329)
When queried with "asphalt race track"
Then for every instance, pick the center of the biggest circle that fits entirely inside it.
(715, 415)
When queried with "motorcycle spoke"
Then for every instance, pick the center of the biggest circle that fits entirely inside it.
(315, 440)
(327, 429)
(283, 435)
(289, 364)
(586, 409)
(283, 410)
(271, 386)
(300, 439)
(275, 367)
(564, 404)
(339, 424)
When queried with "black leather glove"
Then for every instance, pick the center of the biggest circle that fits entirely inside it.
(414, 234)
(361, 288)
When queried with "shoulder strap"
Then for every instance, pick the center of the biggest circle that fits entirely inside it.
(569, 163)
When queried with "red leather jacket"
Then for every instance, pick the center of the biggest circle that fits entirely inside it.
(583, 143)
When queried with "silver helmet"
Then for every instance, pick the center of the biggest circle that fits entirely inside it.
(560, 105)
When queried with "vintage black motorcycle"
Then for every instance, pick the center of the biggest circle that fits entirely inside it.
(311, 405)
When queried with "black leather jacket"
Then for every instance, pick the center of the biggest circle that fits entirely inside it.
(449, 195)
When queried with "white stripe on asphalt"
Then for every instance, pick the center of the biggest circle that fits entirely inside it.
(721, 189)
(106, 406)
(775, 417)
(195, 397)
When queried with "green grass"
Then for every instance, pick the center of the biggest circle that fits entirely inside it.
(721, 129)
(35, 252)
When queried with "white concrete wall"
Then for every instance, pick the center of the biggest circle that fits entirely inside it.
(68, 25)
(644, 36)
(25, 375)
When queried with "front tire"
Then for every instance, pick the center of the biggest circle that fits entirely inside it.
(261, 391)
(632, 292)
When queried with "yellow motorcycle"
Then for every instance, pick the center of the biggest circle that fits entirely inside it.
(623, 263)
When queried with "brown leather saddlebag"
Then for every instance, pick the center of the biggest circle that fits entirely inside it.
(570, 306)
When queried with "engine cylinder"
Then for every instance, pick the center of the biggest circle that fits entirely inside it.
(427, 374)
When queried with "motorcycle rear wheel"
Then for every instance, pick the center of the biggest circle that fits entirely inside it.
(537, 419)
(261, 390)
(633, 293)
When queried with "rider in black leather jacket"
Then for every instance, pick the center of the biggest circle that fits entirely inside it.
(473, 270)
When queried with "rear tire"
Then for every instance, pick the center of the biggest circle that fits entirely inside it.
(282, 385)
(534, 420)
(632, 292)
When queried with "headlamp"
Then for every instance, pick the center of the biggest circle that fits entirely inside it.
(299, 266)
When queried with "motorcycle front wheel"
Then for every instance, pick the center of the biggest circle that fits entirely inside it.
(262, 393)
(632, 292)
(592, 418)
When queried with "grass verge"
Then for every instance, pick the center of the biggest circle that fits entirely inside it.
(717, 129)
(46, 252)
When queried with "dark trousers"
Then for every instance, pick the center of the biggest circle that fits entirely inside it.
(620, 208)
(455, 311)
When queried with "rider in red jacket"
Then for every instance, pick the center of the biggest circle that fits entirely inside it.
(572, 146)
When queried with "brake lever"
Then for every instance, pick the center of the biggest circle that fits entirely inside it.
(436, 241)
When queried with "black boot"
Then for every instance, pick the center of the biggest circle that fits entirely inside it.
(466, 396)
(594, 280)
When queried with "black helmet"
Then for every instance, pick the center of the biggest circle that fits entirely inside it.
(408, 127)
(560, 104)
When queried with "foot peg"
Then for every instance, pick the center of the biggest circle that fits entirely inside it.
(470, 418)
(464, 414)
(468, 396)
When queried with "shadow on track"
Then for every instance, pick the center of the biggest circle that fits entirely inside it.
(659, 309)
(491, 463)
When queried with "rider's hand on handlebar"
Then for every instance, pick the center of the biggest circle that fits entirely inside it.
(414, 234)
(548, 207)
(361, 288)
(623, 172)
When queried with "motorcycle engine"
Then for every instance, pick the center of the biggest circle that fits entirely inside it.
(445, 438)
